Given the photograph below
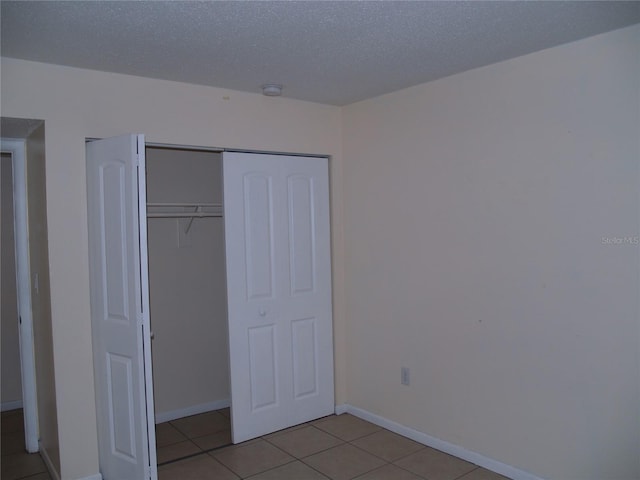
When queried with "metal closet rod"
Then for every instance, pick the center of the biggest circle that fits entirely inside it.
(198, 213)
(184, 215)
(182, 204)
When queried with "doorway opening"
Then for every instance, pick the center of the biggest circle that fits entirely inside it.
(23, 165)
(11, 371)
(188, 302)
(14, 168)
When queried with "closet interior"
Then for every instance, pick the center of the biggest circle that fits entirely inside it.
(187, 282)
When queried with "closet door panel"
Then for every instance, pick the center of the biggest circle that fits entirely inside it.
(279, 306)
(301, 234)
(305, 357)
(258, 223)
(263, 365)
(113, 250)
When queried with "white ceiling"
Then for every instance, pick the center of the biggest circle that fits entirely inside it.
(323, 51)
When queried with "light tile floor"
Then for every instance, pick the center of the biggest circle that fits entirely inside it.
(340, 447)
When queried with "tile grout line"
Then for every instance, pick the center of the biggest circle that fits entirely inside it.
(465, 474)
(268, 469)
(406, 470)
(271, 469)
(190, 439)
(343, 442)
(313, 468)
(201, 452)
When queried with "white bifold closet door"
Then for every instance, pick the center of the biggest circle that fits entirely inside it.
(120, 307)
(276, 211)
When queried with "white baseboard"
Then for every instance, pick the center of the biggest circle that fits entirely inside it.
(55, 475)
(455, 450)
(6, 406)
(340, 409)
(192, 410)
(97, 476)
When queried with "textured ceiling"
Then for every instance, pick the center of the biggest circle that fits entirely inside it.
(329, 52)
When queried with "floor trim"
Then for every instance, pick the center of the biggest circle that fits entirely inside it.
(192, 410)
(340, 409)
(48, 463)
(460, 452)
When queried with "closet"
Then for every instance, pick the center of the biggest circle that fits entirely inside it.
(187, 282)
(270, 276)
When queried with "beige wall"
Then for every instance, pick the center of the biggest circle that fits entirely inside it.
(187, 285)
(77, 103)
(11, 387)
(40, 295)
(475, 211)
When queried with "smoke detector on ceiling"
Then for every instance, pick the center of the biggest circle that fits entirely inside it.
(272, 90)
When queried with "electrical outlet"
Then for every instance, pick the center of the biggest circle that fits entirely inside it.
(404, 376)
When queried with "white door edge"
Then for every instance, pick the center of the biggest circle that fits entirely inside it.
(146, 319)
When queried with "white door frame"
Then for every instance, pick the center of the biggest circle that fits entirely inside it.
(16, 148)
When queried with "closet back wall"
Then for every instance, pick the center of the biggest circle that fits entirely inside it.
(187, 287)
